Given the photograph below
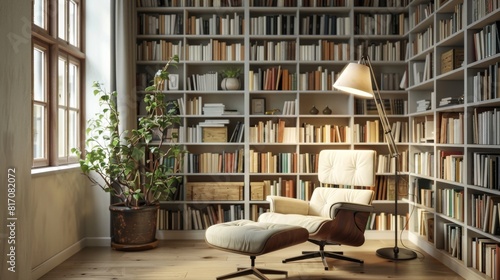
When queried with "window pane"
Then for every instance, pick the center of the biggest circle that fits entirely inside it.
(61, 17)
(61, 83)
(38, 74)
(73, 85)
(73, 131)
(39, 13)
(38, 132)
(62, 149)
(73, 23)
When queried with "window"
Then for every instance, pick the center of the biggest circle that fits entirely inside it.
(57, 75)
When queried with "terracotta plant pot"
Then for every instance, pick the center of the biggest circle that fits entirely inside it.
(133, 229)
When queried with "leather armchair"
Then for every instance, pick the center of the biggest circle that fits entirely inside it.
(333, 216)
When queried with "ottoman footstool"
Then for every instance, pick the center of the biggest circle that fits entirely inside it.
(253, 239)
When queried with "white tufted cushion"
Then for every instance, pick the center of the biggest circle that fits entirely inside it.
(323, 198)
(347, 167)
(253, 238)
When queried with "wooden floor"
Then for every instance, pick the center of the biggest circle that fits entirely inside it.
(194, 260)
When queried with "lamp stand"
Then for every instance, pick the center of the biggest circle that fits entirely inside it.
(394, 253)
(357, 79)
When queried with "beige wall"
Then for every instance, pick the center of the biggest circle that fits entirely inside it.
(15, 134)
(59, 213)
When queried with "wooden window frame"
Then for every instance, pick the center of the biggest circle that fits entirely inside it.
(57, 47)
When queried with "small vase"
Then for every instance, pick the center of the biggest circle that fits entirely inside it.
(230, 84)
(327, 111)
(313, 111)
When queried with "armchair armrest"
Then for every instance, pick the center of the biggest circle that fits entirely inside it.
(287, 205)
(349, 206)
(349, 222)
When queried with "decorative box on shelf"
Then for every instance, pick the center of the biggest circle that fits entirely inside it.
(214, 134)
(214, 190)
(451, 60)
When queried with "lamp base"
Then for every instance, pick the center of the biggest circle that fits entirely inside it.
(395, 253)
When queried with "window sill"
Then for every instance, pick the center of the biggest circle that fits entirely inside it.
(43, 171)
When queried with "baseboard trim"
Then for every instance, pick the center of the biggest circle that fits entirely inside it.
(62, 256)
(57, 259)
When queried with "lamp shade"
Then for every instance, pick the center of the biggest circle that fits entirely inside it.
(355, 79)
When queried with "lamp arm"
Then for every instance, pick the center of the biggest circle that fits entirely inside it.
(393, 149)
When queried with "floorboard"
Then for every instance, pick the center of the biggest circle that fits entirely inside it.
(194, 260)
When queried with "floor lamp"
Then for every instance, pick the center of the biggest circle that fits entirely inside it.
(356, 78)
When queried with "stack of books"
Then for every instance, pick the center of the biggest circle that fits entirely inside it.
(213, 109)
(423, 105)
(450, 101)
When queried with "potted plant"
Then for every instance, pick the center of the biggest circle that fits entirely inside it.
(230, 79)
(138, 166)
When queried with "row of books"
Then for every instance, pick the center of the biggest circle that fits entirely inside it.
(423, 192)
(423, 41)
(200, 219)
(487, 41)
(215, 25)
(224, 162)
(385, 188)
(158, 50)
(190, 3)
(486, 126)
(450, 165)
(327, 133)
(325, 25)
(485, 255)
(164, 24)
(273, 132)
(269, 162)
(450, 202)
(381, 24)
(451, 128)
(383, 51)
(453, 240)
(424, 163)
(423, 129)
(422, 70)
(392, 106)
(387, 164)
(421, 12)
(486, 170)
(272, 51)
(324, 50)
(452, 24)
(485, 213)
(320, 79)
(485, 84)
(215, 50)
(273, 78)
(386, 221)
(272, 25)
(425, 226)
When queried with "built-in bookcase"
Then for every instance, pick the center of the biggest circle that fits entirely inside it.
(453, 66)
(285, 112)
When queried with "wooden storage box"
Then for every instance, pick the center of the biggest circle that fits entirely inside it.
(214, 134)
(214, 191)
(451, 59)
(257, 191)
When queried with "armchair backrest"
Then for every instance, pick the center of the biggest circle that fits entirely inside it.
(343, 167)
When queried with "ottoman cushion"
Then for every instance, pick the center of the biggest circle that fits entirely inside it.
(254, 238)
